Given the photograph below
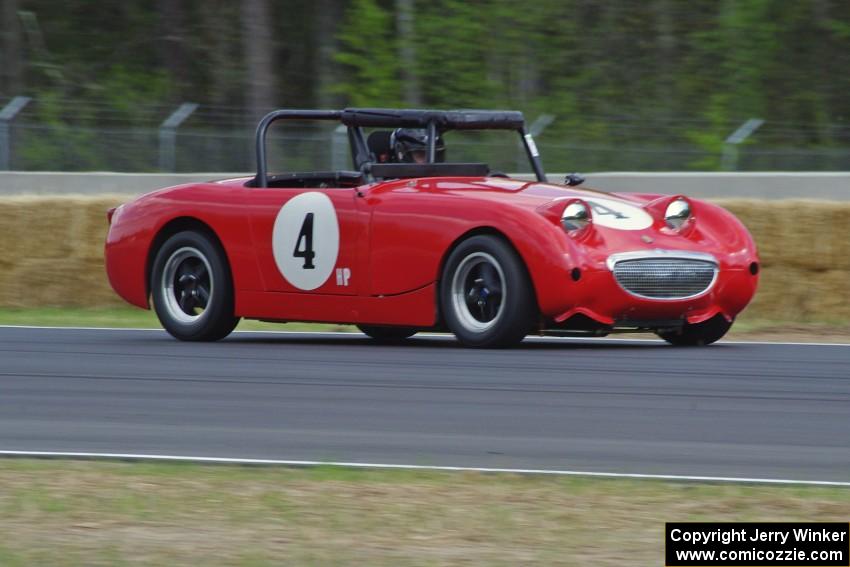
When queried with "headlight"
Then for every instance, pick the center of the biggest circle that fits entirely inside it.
(677, 214)
(576, 216)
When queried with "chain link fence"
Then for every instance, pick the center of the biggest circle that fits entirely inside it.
(39, 147)
(216, 139)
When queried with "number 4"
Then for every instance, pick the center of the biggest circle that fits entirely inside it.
(305, 236)
(603, 210)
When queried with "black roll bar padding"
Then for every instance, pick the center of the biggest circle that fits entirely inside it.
(442, 119)
(261, 180)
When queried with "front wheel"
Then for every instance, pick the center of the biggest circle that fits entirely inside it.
(192, 288)
(698, 334)
(486, 297)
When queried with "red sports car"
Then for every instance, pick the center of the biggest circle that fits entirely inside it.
(406, 241)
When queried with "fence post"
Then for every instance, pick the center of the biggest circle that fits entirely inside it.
(168, 135)
(729, 160)
(6, 116)
(536, 128)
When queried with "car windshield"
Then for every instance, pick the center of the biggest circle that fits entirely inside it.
(499, 149)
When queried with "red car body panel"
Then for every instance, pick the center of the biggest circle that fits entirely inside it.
(395, 235)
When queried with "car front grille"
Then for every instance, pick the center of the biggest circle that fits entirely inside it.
(665, 278)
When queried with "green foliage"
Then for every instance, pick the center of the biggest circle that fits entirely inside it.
(369, 52)
(124, 90)
(640, 85)
(452, 56)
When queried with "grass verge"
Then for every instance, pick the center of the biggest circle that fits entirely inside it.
(106, 513)
(744, 329)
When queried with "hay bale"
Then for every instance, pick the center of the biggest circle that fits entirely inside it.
(35, 227)
(803, 233)
(50, 282)
(781, 294)
(792, 293)
(51, 254)
(805, 253)
(89, 225)
(54, 226)
(828, 297)
(51, 250)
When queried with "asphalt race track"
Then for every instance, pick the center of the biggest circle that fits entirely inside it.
(731, 410)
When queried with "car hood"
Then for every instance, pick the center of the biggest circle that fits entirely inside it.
(622, 222)
(527, 193)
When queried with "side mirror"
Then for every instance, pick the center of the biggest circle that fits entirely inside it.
(574, 179)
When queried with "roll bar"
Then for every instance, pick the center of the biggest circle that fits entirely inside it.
(434, 121)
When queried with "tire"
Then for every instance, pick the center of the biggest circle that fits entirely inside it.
(387, 334)
(192, 288)
(699, 334)
(486, 297)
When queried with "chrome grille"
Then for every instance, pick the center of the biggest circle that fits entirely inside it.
(665, 278)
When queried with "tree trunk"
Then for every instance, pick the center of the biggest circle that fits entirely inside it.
(218, 42)
(327, 14)
(258, 45)
(172, 43)
(407, 52)
(826, 69)
(11, 68)
(665, 47)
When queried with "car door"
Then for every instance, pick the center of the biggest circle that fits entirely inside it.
(306, 240)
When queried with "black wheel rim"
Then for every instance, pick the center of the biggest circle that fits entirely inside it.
(478, 292)
(187, 285)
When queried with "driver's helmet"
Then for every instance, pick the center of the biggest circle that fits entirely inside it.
(410, 145)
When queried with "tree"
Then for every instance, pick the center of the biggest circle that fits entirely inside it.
(258, 46)
(327, 14)
(171, 43)
(368, 54)
(11, 62)
(407, 52)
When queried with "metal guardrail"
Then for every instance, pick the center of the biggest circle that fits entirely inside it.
(772, 186)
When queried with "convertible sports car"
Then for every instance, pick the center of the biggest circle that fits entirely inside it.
(406, 242)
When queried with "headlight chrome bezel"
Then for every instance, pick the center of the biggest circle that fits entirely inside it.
(577, 217)
(678, 214)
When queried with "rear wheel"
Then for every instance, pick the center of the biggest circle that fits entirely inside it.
(387, 334)
(486, 297)
(698, 334)
(192, 288)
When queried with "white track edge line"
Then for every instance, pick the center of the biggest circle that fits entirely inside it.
(436, 468)
(430, 335)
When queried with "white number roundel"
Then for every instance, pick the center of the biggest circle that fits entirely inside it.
(618, 214)
(305, 240)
